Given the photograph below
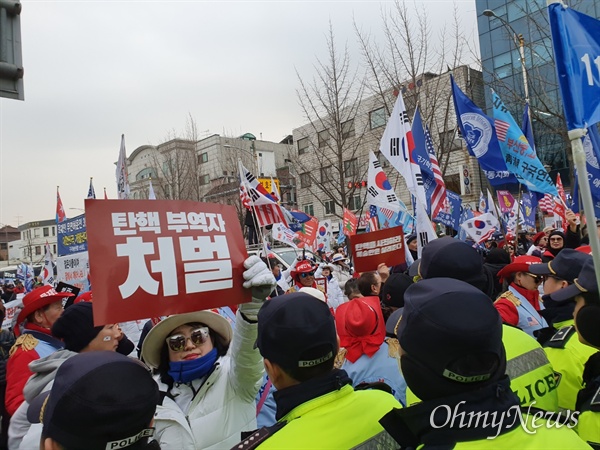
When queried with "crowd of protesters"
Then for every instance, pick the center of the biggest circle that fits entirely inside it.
(324, 357)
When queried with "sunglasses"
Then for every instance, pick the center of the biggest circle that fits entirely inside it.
(307, 274)
(198, 336)
(536, 278)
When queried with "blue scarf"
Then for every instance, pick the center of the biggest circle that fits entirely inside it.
(187, 371)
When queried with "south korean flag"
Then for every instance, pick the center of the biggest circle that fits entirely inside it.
(380, 192)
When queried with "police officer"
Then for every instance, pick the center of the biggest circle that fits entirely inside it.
(531, 375)
(453, 358)
(317, 407)
(587, 323)
(566, 354)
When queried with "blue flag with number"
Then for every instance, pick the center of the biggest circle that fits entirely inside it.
(591, 146)
(520, 158)
(421, 156)
(576, 42)
(479, 134)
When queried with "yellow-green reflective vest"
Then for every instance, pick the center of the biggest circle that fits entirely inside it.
(530, 372)
(547, 436)
(531, 375)
(340, 419)
(568, 357)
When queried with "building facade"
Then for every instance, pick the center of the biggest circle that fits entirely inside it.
(34, 235)
(207, 170)
(331, 176)
(500, 22)
(8, 235)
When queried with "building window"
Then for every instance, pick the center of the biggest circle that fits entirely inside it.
(308, 209)
(326, 175)
(54, 248)
(46, 232)
(305, 180)
(302, 146)
(377, 118)
(146, 173)
(323, 138)
(329, 207)
(351, 168)
(204, 180)
(203, 158)
(38, 250)
(53, 231)
(348, 129)
(23, 235)
(354, 203)
(36, 232)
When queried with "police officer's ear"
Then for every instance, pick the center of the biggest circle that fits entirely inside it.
(275, 373)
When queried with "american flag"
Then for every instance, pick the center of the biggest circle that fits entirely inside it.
(253, 194)
(388, 213)
(372, 222)
(269, 214)
(546, 203)
(559, 208)
(501, 129)
(438, 198)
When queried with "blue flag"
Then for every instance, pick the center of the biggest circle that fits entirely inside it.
(421, 156)
(465, 214)
(480, 136)
(528, 209)
(591, 146)
(520, 158)
(528, 133)
(527, 128)
(576, 42)
(450, 214)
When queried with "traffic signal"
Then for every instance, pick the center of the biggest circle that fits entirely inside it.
(357, 184)
(11, 60)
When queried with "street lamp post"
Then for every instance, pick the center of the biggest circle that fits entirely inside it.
(520, 43)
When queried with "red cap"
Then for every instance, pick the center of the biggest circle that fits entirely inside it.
(519, 264)
(37, 299)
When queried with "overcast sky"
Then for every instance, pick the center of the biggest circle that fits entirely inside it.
(96, 70)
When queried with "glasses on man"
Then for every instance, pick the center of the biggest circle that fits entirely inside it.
(198, 336)
(307, 274)
(536, 278)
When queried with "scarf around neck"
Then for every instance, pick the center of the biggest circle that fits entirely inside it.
(187, 371)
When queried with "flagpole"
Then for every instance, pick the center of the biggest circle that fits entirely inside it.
(579, 160)
(518, 213)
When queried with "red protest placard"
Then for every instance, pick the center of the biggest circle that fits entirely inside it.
(152, 258)
(307, 235)
(383, 246)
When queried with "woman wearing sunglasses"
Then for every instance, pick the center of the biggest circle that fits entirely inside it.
(519, 306)
(208, 374)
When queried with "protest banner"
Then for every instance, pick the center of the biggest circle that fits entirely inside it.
(74, 270)
(383, 246)
(12, 310)
(151, 258)
(72, 236)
